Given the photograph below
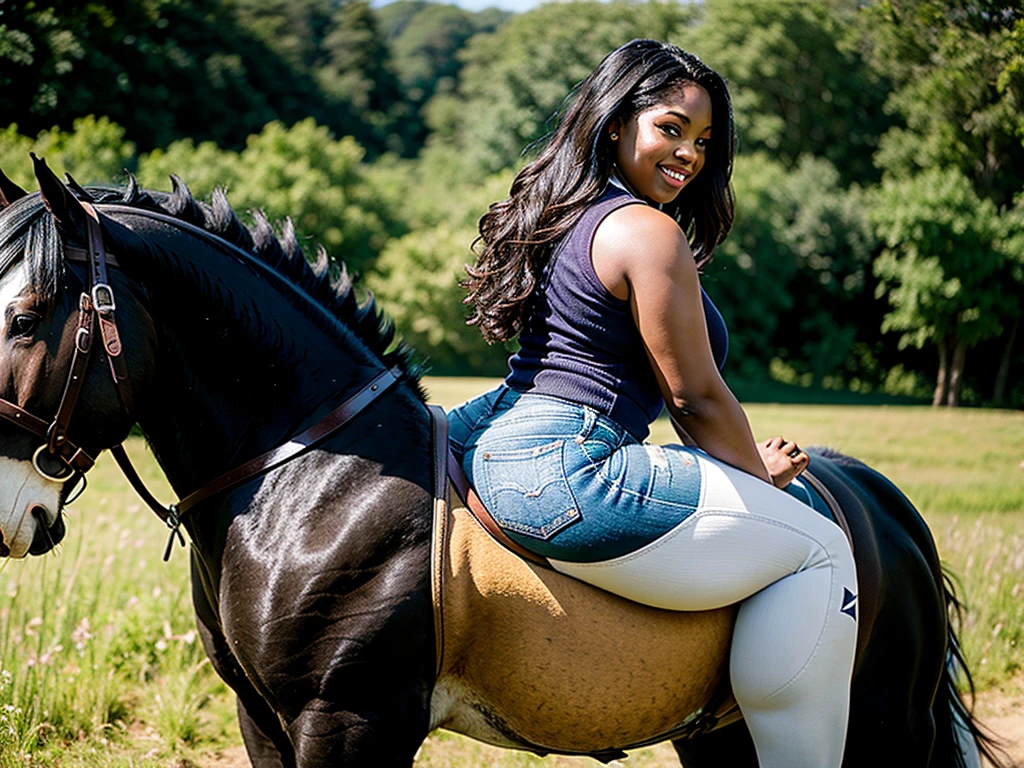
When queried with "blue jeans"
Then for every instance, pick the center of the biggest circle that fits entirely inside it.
(671, 527)
(567, 482)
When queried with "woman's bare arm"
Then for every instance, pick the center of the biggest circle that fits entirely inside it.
(641, 253)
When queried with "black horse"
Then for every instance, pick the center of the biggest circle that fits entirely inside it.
(312, 581)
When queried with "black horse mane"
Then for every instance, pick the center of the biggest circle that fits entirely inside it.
(335, 293)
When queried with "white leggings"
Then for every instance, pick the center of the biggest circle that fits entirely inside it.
(793, 646)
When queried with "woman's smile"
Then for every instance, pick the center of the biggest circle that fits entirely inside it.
(675, 175)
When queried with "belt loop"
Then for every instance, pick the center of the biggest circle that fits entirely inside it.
(505, 390)
(589, 421)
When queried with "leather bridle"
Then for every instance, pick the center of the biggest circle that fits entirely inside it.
(96, 310)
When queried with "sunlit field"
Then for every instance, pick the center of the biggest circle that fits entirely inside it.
(100, 665)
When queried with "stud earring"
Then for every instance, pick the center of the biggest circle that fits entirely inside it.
(614, 136)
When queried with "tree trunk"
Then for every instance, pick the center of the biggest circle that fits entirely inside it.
(956, 375)
(999, 390)
(942, 382)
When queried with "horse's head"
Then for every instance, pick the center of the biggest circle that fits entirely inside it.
(59, 402)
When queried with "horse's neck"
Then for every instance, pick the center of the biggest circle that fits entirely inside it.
(238, 370)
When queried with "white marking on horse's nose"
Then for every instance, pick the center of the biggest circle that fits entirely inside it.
(22, 489)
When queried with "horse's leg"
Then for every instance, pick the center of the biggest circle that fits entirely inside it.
(265, 741)
(262, 751)
(731, 746)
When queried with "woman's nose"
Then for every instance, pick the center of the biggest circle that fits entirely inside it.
(686, 151)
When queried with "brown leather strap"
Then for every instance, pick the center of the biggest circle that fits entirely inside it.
(833, 505)
(479, 511)
(104, 305)
(439, 433)
(73, 456)
(71, 253)
(18, 415)
(439, 532)
(296, 445)
(76, 375)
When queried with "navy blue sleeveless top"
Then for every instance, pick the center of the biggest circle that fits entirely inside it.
(579, 342)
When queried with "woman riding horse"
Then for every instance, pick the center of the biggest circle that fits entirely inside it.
(589, 262)
(298, 439)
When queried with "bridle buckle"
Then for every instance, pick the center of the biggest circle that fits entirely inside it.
(103, 298)
(67, 471)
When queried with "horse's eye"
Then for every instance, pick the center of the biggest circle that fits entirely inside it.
(24, 325)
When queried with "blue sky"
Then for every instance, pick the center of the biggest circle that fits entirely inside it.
(506, 5)
(479, 5)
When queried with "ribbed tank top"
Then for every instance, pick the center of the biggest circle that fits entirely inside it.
(579, 341)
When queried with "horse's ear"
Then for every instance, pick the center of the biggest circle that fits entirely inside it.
(9, 191)
(59, 200)
(80, 192)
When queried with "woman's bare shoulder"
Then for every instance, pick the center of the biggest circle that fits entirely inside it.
(636, 237)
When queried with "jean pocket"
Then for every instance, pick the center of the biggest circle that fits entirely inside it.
(526, 489)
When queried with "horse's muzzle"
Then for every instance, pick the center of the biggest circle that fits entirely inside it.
(45, 537)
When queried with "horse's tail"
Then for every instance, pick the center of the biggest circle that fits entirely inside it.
(957, 732)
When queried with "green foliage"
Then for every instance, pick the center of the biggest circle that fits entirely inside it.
(942, 265)
(356, 69)
(515, 78)
(162, 69)
(416, 277)
(94, 151)
(290, 28)
(792, 273)
(959, 71)
(797, 79)
(300, 172)
(425, 40)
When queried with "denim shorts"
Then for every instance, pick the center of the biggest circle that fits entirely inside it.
(568, 482)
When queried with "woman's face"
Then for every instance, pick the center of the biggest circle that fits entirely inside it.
(662, 149)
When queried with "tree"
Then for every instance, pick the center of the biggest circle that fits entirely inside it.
(791, 277)
(943, 269)
(798, 81)
(94, 152)
(293, 29)
(300, 172)
(1013, 247)
(162, 69)
(515, 79)
(356, 68)
(417, 275)
(416, 280)
(958, 67)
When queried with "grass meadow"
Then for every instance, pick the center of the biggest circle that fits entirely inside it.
(100, 664)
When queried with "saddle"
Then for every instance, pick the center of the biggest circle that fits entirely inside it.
(530, 658)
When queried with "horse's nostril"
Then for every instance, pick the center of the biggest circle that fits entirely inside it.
(5, 551)
(38, 511)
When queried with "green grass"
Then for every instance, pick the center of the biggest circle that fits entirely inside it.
(100, 666)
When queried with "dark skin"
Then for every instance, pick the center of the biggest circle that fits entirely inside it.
(640, 254)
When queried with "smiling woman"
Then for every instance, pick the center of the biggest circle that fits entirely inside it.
(593, 261)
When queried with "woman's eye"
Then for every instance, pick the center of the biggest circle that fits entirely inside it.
(702, 143)
(24, 325)
(671, 130)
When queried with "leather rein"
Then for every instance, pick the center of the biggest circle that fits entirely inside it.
(96, 308)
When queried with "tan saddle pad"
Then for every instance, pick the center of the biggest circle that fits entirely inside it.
(530, 658)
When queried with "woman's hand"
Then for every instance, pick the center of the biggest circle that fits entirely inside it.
(783, 459)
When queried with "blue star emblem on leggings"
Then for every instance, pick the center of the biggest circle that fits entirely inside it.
(849, 604)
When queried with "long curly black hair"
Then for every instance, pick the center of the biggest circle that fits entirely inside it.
(547, 198)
